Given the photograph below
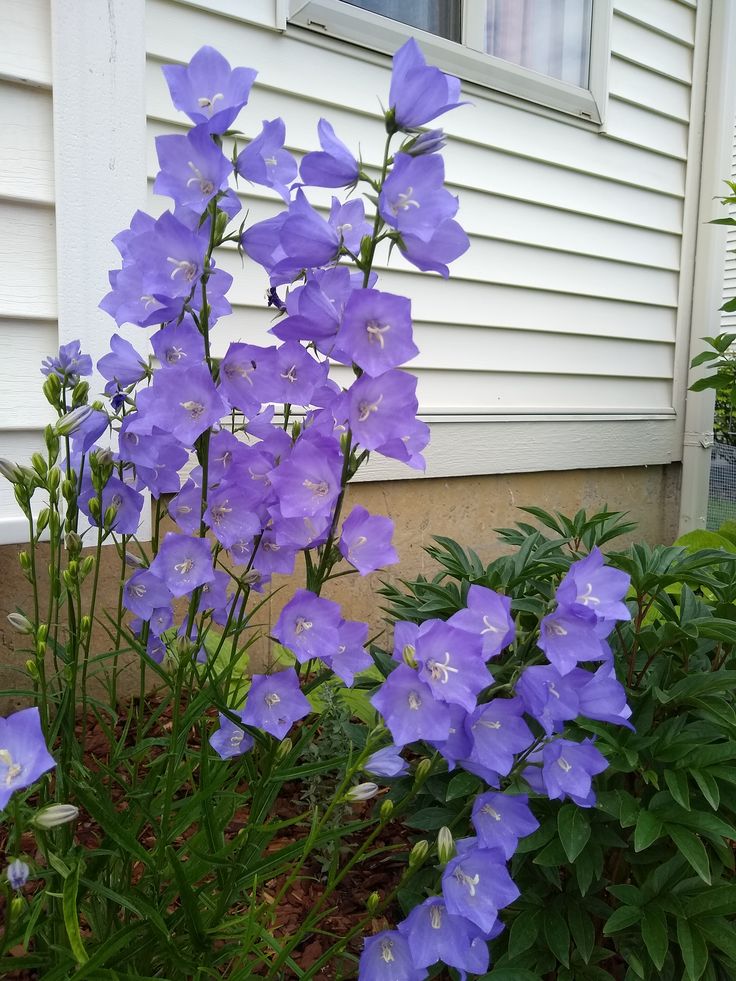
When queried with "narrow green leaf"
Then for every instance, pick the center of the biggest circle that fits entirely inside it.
(693, 948)
(654, 933)
(71, 918)
(621, 919)
(692, 849)
(676, 781)
(581, 930)
(524, 932)
(648, 829)
(574, 830)
(463, 784)
(708, 787)
(557, 935)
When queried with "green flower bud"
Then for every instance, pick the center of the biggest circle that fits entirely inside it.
(68, 489)
(54, 524)
(387, 809)
(86, 567)
(85, 625)
(73, 569)
(32, 670)
(373, 902)
(42, 520)
(52, 390)
(54, 815)
(52, 443)
(418, 853)
(42, 633)
(94, 508)
(422, 771)
(25, 561)
(285, 747)
(17, 905)
(20, 623)
(80, 393)
(407, 655)
(53, 479)
(110, 514)
(39, 464)
(73, 543)
(445, 845)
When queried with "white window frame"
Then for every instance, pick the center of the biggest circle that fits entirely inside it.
(335, 18)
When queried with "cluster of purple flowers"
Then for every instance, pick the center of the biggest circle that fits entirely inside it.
(441, 693)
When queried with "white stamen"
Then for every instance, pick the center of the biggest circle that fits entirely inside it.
(209, 103)
(415, 702)
(564, 765)
(386, 952)
(184, 567)
(272, 699)
(404, 201)
(195, 409)
(205, 184)
(376, 332)
(487, 809)
(184, 266)
(302, 624)
(469, 881)
(435, 916)
(586, 598)
(365, 408)
(490, 628)
(440, 670)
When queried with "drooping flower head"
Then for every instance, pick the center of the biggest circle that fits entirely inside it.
(333, 166)
(419, 93)
(434, 934)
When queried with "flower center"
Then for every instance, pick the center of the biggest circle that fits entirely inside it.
(290, 375)
(404, 201)
(205, 184)
(184, 567)
(302, 624)
(209, 103)
(435, 916)
(185, 266)
(138, 589)
(14, 769)
(586, 598)
(552, 690)
(195, 409)
(375, 336)
(318, 488)
(469, 881)
(440, 670)
(489, 627)
(564, 765)
(415, 702)
(272, 699)
(489, 725)
(387, 953)
(487, 809)
(365, 408)
(220, 512)
(557, 629)
(236, 738)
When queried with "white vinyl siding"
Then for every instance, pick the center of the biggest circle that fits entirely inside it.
(28, 307)
(728, 320)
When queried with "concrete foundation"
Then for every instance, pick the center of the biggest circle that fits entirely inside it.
(464, 508)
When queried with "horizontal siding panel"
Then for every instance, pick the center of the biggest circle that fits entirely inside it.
(642, 128)
(634, 84)
(25, 41)
(26, 143)
(20, 376)
(644, 47)
(27, 262)
(662, 16)
(260, 12)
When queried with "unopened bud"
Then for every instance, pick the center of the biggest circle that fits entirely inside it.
(17, 874)
(73, 543)
(73, 420)
(362, 791)
(52, 390)
(39, 464)
(422, 771)
(94, 509)
(408, 657)
(111, 514)
(69, 489)
(42, 520)
(73, 569)
(52, 443)
(185, 648)
(68, 580)
(285, 747)
(102, 458)
(134, 560)
(25, 561)
(11, 471)
(42, 633)
(53, 479)
(32, 669)
(418, 853)
(387, 809)
(445, 845)
(251, 578)
(373, 902)
(20, 623)
(80, 393)
(54, 815)
(17, 905)
(54, 523)
(86, 566)
(85, 625)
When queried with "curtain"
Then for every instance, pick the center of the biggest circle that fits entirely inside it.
(441, 17)
(551, 37)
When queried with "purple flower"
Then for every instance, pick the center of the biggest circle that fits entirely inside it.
(69, 365)
(405, 641)
(434, 935)
(376, 331)
(600, 695)
(308, 626)
(597, 587)
(116, 494)
(245, 373)
(308, 483)
(264, 161)
(409, 708)
(458, 744)
(208, 90)
(193, 168)
(295, 375)
(488, 615)
(144, 592)
(86, 434)
(275, 702)
(262, 242)
(419, 92)
(349, 222)
(501, 819)
(23, 753)
(178, 345)
(381, 409)
(451, 663)
(568, 769)
(186, 402)
(386, 762)
(230, 513)
(230, 739)
(306, 239)
(413, 199)
(333, 166)
(548, 696)
(476, 885)
(387, 957)
(568, 636)
(447, 243)
(351, 656)
(498, 732)
(183, 563)
(123, 366)
(366, 541)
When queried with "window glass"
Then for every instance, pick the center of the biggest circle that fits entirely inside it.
(441, 17)
(551, 37)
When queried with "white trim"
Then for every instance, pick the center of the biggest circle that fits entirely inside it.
(335, 18)
(98, 63)
(710, 246)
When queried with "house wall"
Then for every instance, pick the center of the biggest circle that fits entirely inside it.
(728, 320)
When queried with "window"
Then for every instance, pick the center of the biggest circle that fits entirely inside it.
(552, 53)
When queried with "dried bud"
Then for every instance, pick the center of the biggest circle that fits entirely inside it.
(20, 623)
(54, 815)
(73, 420)
(362, 791)
(445, 845)
(387, 809)
(373, 902)
(418, 853)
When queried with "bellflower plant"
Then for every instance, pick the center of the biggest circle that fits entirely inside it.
(186, 792)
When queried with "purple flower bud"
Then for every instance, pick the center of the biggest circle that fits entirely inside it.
(386, 762)
(17, 874)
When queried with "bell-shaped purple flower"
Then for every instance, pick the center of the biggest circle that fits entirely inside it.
(498, 732)
(144, 592)
(86, 434)
(386, 762)
(451, 663)
(351, 656)
(308, 626)
(23, 753)
(208, 90)
(183, 563)
(419, 93)
(349, 221)
(447, 242)
(381, 409)
(193, 168)
(366, 541)
(434, 934)
(308, 483)
(568, 769)
(409, 708)
(230, 513)
(333, 166)
(376, 331)
(488, 615)
(69, 365)
(230, 739)
(549, 697)
(178, 345)
(476, 885)
(264, 160)
(569, 635)
(275, 702)
(186, 402)
(128, 504)
(306, 239)
(501, 819)
(600, 695)
(386, 957)
(597, 587)
(123, 366)
(458, 744)
(413, 199)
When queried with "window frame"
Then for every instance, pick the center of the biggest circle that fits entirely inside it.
(337, 19)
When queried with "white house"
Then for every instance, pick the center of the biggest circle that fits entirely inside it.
(598, 136)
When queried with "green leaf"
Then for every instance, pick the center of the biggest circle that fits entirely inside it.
(692, 849)
(626, 893)
(429, 818)
(693, 947)
(648, 829)
(621, 919)
(703, 357)
(676, 781)
(655, 935)
(557, 935)
(574, 830)
(71, 918)
(510, 974)
(524, 932)
(582, 931)
(462, 785)
(719, 900)
(708, 787)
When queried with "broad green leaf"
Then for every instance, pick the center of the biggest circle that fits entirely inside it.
(557, 935)
(648, 829)
(71, 917)
(462, 785)
(708, 787)
(585, 869)
(582, 930)
(429, 818)
(524, 932)
(719, 900)
(692, 849)
(676, 781)
(693, 948)
(510, 974)
(654, 933)
(626, 893)
(621, 919)
(574, 830)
